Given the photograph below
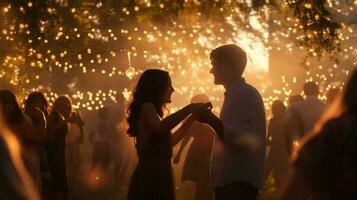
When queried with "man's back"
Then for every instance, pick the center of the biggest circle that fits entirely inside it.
(308, 112)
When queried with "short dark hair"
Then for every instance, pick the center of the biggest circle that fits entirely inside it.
(232, 54)
(311, 88)
(278, 108)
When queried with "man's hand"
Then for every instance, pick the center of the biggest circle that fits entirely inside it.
(200, 107)
(209, 118)
(204, 116)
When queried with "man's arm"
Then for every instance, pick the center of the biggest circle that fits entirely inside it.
(215, 123)
(242, 131)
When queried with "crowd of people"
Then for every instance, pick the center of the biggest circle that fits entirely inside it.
(308, 145)
(47, 143)
(41, 133)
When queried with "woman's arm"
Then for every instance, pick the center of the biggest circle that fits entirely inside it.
(180, 133)
(165, 125)
(296, 188)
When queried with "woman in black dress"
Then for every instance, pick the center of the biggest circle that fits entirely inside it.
(152, 178)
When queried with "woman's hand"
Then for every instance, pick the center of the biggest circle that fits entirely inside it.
(200, 107)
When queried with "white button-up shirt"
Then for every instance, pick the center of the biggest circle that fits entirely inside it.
(243, 117)
(301, 117)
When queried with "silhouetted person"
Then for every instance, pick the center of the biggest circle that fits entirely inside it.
(325, 166)
(152, 178)
(332, 95)
(294, 99)
(28, 135)
(101, 139)
(123, 151)
(302, 116)
(15, 182)
(37, 101)
(197, 161)
(74, 160)
(278, 157)
(289, 137)
(58, 129)
(238, 160)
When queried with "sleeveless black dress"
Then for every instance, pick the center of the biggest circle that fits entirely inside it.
(152, 178)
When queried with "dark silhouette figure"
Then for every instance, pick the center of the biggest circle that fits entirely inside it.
(123, 151)
(58, 128)
(15, 182)
(301, 117)
(28, 135)
(325, 166)
(37, 101)
(289, 137)
(152, 178)
(197, 161)
(101, 139)
(277, 160)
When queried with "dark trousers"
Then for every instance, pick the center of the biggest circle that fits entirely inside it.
(239, 190)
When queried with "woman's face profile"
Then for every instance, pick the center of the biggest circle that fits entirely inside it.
(168, 93)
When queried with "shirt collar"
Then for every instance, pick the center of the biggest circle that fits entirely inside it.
(235, 86)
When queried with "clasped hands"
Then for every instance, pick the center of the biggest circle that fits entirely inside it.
(202, 112)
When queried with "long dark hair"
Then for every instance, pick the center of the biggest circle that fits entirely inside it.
(349, 98)
(10, 108)
(37, 97)
(151, 88)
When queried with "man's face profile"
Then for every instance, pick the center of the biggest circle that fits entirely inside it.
(219, 71)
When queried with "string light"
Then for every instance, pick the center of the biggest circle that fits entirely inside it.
(181, 48)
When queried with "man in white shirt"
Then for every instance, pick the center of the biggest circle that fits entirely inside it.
(238, 156)
(302, 116)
